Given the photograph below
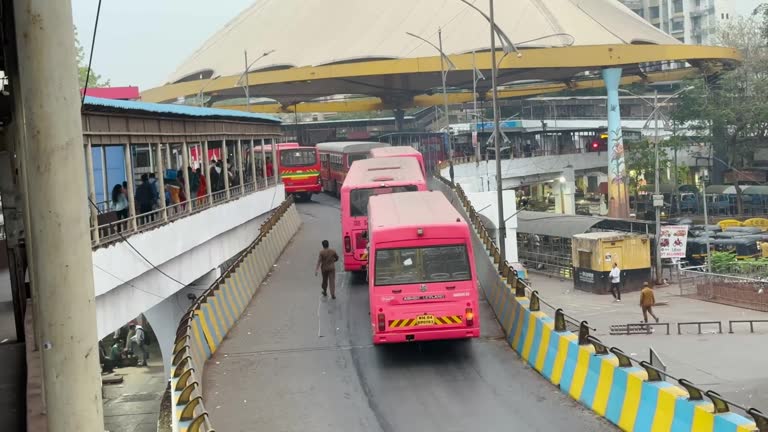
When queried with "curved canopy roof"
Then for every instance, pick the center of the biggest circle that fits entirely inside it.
(358, 47)
(316, 33)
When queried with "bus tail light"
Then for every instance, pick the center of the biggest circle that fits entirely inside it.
(470, 317)
(380, 319)
(347, 244)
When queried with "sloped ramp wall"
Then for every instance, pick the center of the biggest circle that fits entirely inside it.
(209, 319)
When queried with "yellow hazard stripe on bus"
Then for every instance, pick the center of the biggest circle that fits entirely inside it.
(300, 175)
(413, 322)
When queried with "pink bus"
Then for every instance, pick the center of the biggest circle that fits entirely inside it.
(399, 151)
(365, 178)
(422, 279)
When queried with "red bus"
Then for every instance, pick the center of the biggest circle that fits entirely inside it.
(422, 278)
(337, 157)
(399, 151)
(366, 178)
(299, 168)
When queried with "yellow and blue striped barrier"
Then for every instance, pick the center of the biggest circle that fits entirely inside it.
(635, 398)
(207, 322)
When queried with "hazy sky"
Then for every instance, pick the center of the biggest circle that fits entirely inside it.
(141, 42)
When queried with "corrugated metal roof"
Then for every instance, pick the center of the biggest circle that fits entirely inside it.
(554, 224)
(175, 110)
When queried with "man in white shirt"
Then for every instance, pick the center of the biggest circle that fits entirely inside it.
(615, 276)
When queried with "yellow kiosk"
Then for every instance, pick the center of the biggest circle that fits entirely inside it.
(595, 253)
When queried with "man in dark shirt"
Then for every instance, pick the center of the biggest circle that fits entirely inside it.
(326, 262)
(145, 196)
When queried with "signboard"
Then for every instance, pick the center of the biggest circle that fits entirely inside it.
(587, 277)
(474, 138)
(672, 241)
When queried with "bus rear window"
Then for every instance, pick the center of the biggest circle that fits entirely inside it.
(421, 265)
(358, 198)
(297, 157)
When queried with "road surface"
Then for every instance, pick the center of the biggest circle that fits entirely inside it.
(299, 362)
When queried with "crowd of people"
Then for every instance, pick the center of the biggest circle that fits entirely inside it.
(129, 347)
(147, 195)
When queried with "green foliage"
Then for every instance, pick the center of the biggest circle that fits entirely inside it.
(94, 80)
(722, 262)
(731, 110)
(762, 13)
(641, 161)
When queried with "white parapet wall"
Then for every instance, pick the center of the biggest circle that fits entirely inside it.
(127, 284)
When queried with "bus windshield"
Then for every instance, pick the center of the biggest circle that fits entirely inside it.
(358, 198)
(421, 265)
(298, 157)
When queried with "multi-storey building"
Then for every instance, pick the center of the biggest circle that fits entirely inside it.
(691, 21)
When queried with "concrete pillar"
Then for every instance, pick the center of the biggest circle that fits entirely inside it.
(185, 171)
(275, 174)
(399, 119)
(169, 161)
(56, 192)
(129, 192)
(225, 166)
(164, 317)
(263, 161)
(618, 196)
(239, 156)
(92, 192)
(253, 163)
(207, 173)
(161, 180)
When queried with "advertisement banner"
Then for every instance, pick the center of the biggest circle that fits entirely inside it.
(474, 138)
(672, 241)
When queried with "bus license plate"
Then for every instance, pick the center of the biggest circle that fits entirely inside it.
(425, 320)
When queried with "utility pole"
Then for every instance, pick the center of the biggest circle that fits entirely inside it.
(443, 73)
(62, 270)
(247, 85)
(656, 204)
(496, 135)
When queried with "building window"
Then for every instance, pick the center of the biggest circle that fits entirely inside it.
(677, 6)
(677, 25)
(654, 11)
(638, 12)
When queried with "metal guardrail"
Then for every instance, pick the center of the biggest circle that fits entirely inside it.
(698, 324)
(190, 401)
(726, 289)
(636, 328)
(509, 275)
(750, 321)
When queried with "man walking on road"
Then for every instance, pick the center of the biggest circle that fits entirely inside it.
(615, 276)
(647, 301)
(326, 263)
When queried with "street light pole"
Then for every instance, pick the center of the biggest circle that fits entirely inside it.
(247, 85)
(244, 76)
(656, 180)
(445, 92)
(496, 136)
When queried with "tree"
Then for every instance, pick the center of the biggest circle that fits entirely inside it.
(641, 162)
(762, 11)
(94, 80)
(730, 109)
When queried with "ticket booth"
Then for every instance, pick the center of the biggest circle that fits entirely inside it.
(595, 253)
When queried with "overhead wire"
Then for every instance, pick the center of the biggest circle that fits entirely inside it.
(90, 56)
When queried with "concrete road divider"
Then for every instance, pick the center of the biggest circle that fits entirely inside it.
(631, 394)
(209, 319)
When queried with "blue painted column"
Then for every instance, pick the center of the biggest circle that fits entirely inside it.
(618, 196)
